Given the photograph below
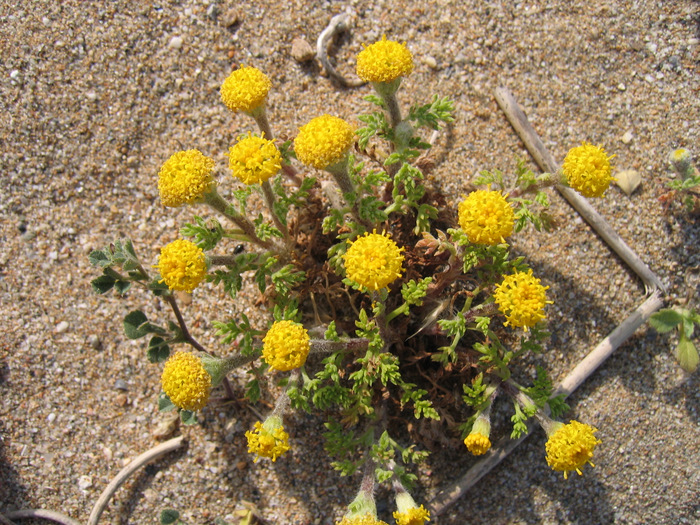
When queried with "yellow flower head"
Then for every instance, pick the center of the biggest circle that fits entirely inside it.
(571, 446)
(413, 516)
(521, 298)
(324, 141)
(254, 160)
(182, 265)
(268, 440)
(477, 443)
(384, 61)
(245, 89)
(587, 170)
(373, 261)
(486, 217)
(366, 519)
(286, 345)
(184, 178)
(185, 381)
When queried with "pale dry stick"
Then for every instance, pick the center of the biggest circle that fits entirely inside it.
(143, 459)
(578, 375)
(546, 162)
(338, 24)
(51, 515)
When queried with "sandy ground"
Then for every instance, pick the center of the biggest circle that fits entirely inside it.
(96, 95)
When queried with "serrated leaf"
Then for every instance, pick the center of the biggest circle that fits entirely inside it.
(122, 286)
(99, 258)
(102, 284)
(665, 320)
(136, 325)
(169, 516)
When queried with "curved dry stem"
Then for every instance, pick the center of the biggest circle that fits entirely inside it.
(143, 459)
(51, 515)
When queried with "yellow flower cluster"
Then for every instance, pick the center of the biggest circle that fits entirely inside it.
(245, 89)
(324, 141)
(571, 446)
(477, 443)
(254, 159)
(185, 381)
(412, 516)
(486, 217)
(366, 519)
(373, 261)
(268, 440)
(185, 177)
(521, 298)
(587, 170)
(286, 345)
(182, 265)
(384, 61)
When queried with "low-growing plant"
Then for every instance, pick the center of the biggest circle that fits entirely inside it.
(389, 313)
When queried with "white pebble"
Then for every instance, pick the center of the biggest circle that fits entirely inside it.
(51, 417)
(430, 62)
(84, 482)
(14, 74)
(627, 137)
(621, 86)
(176, 42)
(61, 327)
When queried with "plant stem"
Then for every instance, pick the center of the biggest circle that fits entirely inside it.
(170, 298)
(270, 201)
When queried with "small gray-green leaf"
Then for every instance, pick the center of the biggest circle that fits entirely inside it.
(158, 350)
(164, 403)
(136, 325)
(99, 258)
(169, 516)
(102, 284)
(188, 418)
(687, 355)
(665, 320)
(122, 286)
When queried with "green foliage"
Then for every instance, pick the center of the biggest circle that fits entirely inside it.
(684, 321)
(206, 233)
(242, 332)
(430, 115)
(169, 516)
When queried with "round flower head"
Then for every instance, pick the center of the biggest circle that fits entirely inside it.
(521, 298)
(477, 443)
(268, 440)
(254, 160)
(571, 446)
(185, 381)
(373, 261)
(413, 516)
(245, 89)
(365, 519)
(182, 265)
(185, 177)
(384, 61)
(324, 141)
(286, 345)
(587, 170)
(486, 217)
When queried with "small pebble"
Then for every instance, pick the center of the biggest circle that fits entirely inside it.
(84, 482)
(95, 342)
(176, 42)
(61, 327)
(430, 62)
(51, 417)
(302, 50)
(120, 384)
(627, 137)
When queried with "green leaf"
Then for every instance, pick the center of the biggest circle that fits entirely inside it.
(136, 325)
(99, 258)
(169, 516)
(122, 286)
(687, 355)
(665, 320)
(158, 350)
(188, 417)
(164, 403)
(103, 284)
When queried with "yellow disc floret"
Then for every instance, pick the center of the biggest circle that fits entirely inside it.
(185, 177)
(414, 516)
(182, 265)
(245, 89)
(477, 443)
(268, 440)
(324, 141)
(373, 261)
(185, 381)
(384, 61)
(486, 217)
(571, 446)
(587, 170)
(254, 159)
(521, 298)
(286, 345)
(365, 519)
